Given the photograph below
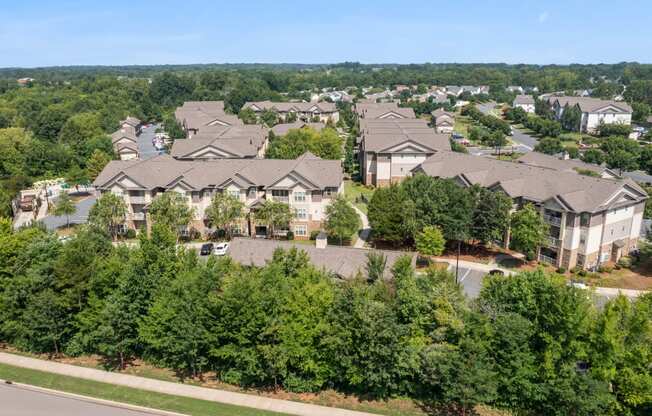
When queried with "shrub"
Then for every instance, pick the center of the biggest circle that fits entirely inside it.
(576, 270)
(561, 270)
(290, 235)
(605, 268)
(625, 262)
(314, 234)
(130, 233)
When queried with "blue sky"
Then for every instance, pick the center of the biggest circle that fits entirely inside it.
(118, 32)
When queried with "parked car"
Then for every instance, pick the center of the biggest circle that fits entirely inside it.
(206, 249)
(578, 285)
(220, 249)
(496, 272)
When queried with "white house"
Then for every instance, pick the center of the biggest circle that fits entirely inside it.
(594, 111)
(526, 102)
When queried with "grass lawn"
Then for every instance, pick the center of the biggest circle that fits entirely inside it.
(354, 190)
(462, 124)
(123, 394)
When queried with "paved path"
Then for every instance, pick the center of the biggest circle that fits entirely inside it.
(23, 400)
(178, 389)
(363, 235)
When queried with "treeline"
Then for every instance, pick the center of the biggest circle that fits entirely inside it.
(491, 122)
(542, 126)
(529, 344)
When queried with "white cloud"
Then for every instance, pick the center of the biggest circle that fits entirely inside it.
(543, 17)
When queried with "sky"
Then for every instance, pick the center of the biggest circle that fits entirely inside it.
(117, 32)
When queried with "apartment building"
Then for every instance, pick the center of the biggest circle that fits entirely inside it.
(323, 111)
(383, 111)
(307, 184)
(132, 122)
(391, 148)
(592, 220)
(223, 142)
(125, 143)
(197, 116)
(283, 128)
(594, 111)
(444, 121)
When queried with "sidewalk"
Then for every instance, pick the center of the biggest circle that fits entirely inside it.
(178, 389)
(363, 236)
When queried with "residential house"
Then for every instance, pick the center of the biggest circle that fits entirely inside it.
(283, 128)
(323, 111)
(383, 111)
(344, 262)
(195, 116)
(246, 141)
(594, 111)
(515, 88)
(308, 184)
(591, 220)
(454, 90)
(125, 143)
(391, 148)
(526, 102)
(132, 122)
(444, 121)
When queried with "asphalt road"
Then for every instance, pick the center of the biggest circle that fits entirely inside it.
(53, 222)
(145, 147)
(523, 143)
(20, 401)
(470, 280)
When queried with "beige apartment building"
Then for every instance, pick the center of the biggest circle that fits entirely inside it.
(592, 220)
(322, 111)
(307, 184)
(196, 116)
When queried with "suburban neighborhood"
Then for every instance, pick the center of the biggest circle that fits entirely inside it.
(406, 210)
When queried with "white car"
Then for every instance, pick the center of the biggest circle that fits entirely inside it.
(220, 249)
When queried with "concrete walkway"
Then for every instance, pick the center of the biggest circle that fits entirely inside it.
(178, 389)
(363, 235)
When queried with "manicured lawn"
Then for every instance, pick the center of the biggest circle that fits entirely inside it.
(462, 124)
(125, 394)
(354, 190)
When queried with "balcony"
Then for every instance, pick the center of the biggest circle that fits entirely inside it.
(283, 199)
(551, 219)
(545, 259)
(552, 241)
(137, 200)
(138, 216)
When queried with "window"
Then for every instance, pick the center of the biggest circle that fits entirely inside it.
(300, 230)
(236, 229)
(585, 219)
(301, 213)
(299, 196)
(235, 193)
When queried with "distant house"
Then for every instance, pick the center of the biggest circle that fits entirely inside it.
(24, 81)
(125, 144)
(391, 148)
(515, 88)
(194, 116)
(543, 160)
(382, 111)
(594, 111)
(283, 128)
(223, 142)
(526, 102)
(454, 90)
(304, 111)
(132, 122)
(444, 121)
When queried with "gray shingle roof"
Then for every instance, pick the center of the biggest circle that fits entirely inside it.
(523, 99)
(379, 135)
(377, 110)
(578, 193)
(132, 121)
(124, 133)
(196, 115)
(345, 262)
(163, 171)
(240, 141)
(552, 162)
(284, 107)
(590, 105)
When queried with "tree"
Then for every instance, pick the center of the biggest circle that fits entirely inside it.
(595, 156)
(80, 128)
(430, 241)
(171, 210)
(325, 144)
(96, 163)
(497, 140)
(571, 118)
(621, 153)
(490, 215)
(528, 230)
(549, 146)
(108, 212)
(173, 129)
(376, 264)
(224, 211)
(645, 159)
(269, 118)
(65, 206)
(248, 116)
(274, 214)
(391, 214)
(342, 221)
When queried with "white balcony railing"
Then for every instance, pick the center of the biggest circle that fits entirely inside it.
(552, 241)
(545, 259)
(550, 219)
(138, 216)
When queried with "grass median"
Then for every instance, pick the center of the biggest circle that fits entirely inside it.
(126, 395)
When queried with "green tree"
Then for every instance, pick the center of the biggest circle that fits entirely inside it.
(325, 144)
(269, 118)
(171, 209)
(528, 231)
(490, 218)
(375, 267)
(549, 146)
(275, 214)
(224, 211)
(571, 118)
(248, 116)
(108, 212)
(391, 214)
(342, 221)
(621, 153)
(65, 206)
(96, 163)
(595, 156)
(80, 128)
(430, 241)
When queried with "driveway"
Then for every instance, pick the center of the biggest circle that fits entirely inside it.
(363, 235)
(22, 400)
(145, 147)
(52, 222)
